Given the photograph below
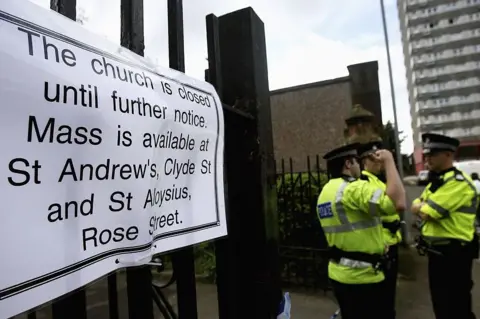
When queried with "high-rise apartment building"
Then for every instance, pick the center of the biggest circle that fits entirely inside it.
(441, 45)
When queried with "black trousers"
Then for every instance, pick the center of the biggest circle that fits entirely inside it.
(391, 274)
(450, 281)
(362, 301)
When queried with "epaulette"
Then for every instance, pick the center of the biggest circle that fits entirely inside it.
(459, 176)
(364, 178)
(349, 179)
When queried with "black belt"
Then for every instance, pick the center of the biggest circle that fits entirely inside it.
(378, 261)
(423, 247)
(447, 246)
(393, 227)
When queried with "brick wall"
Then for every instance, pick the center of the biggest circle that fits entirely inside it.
(309, 120)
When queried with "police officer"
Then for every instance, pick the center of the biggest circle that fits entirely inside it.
(349, 210)
(476, 182)
(447, 207)
(373, 172)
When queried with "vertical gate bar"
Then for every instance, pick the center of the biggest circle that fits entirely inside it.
(293, 205)
(283, 192)
(139, 292)
(183, 259)
(176, 49)
(139, 279)
(112, 296)
(67, 8)
(311, 200)
(73, 305)
(213, 46)
(222, 250)
(132, 34)
(301, 191)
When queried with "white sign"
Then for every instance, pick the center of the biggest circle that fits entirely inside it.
(105, 158)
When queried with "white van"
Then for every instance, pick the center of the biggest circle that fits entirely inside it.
(468, 167)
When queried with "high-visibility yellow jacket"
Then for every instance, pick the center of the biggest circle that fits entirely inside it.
(390, 238)
(349, 211)
(451, 202)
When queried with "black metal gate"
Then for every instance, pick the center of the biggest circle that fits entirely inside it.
(303, 258)
(248, 280)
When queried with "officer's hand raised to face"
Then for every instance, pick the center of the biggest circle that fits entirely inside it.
(383, 155)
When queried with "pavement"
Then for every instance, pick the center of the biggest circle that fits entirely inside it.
(413, 299)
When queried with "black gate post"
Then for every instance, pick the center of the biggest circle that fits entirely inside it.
(73, 305)
(226, 308)
(139, 279)
(247, 261)
(67, 8)
(182, 259)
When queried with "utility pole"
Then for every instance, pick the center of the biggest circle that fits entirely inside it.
(392, 90)
(405, 217)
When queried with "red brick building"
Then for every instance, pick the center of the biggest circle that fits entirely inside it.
(309, 119)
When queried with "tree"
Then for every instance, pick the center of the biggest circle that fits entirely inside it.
(388, 137)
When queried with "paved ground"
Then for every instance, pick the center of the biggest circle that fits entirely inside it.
(413, 300)
(413, 296)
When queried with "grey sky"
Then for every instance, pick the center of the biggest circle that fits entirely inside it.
(307, 40)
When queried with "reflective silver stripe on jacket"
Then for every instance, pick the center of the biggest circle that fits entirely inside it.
(468, 209)
(345, 224)
(353, 263)
(472, 209)
(374, 203)
(442, 211)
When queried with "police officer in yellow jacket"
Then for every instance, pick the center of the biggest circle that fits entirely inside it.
(374, 173)
(349, 210)
(447, 207)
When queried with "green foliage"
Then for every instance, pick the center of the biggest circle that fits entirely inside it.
(298, 224)
(388, 137)
(205, 261)
(297, 198)
(297, 214)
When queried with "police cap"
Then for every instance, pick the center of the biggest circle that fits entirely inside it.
(435, 143)
(369, 148)
(349, 150)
